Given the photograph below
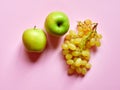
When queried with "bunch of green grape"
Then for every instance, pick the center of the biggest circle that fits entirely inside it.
(77, 45)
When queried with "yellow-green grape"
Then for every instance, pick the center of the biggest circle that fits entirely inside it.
(83, 71)
(72, 41)
(66, 41)
(78, 70)
(80, 23)
(79, 28)
(99, 36)
(77, 41)
(70, 71)
(65, 46)
(71, 32)
(90, 27)
(76, 53)
(64, 52)
(87, 58)
(84, 62)
(75, 36)
(98, 44)
(88, 65)
(68, 56)
(68, 37)
(92, 35)
(80, 33)
(88, 21)
(71, 46)
(75, 58)
(92, 41)
(72, 66)
(86, 53)
(77, 62)
(88, 45)
(70, 62)
(85, 28)
(78, 49)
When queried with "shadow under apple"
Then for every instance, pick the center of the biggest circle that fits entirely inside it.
(33, 56)
(53, 40)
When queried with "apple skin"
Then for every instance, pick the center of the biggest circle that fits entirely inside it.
(34, 40)
(57, 23)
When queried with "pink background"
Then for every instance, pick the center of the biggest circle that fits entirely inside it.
(49, 72)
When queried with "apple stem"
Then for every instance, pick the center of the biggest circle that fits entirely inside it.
(34, 27)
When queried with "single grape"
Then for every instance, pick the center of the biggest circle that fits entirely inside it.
(79, 28)
(64, 52)
(78, 62)
(71, 32)
(80, 33)
(88, 65)
(66, 41)
(75, 58)
(68, 56)
(83, 71)
(76, 53)
(70, 71)
(68, 37)
(98, 44)
(70, 62)
(84, 62)
(71, 46)
(92, 42)
(88, 45)
(99, 36)
(88, 22)
(72, 66)
(65, 46)
(86, 53)
(72, 41)
(78, 70)
(77, 41)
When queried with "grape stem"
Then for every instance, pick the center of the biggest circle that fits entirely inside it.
(95, 26)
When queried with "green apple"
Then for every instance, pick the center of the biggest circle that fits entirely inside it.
(34, 40)
(57, 23)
